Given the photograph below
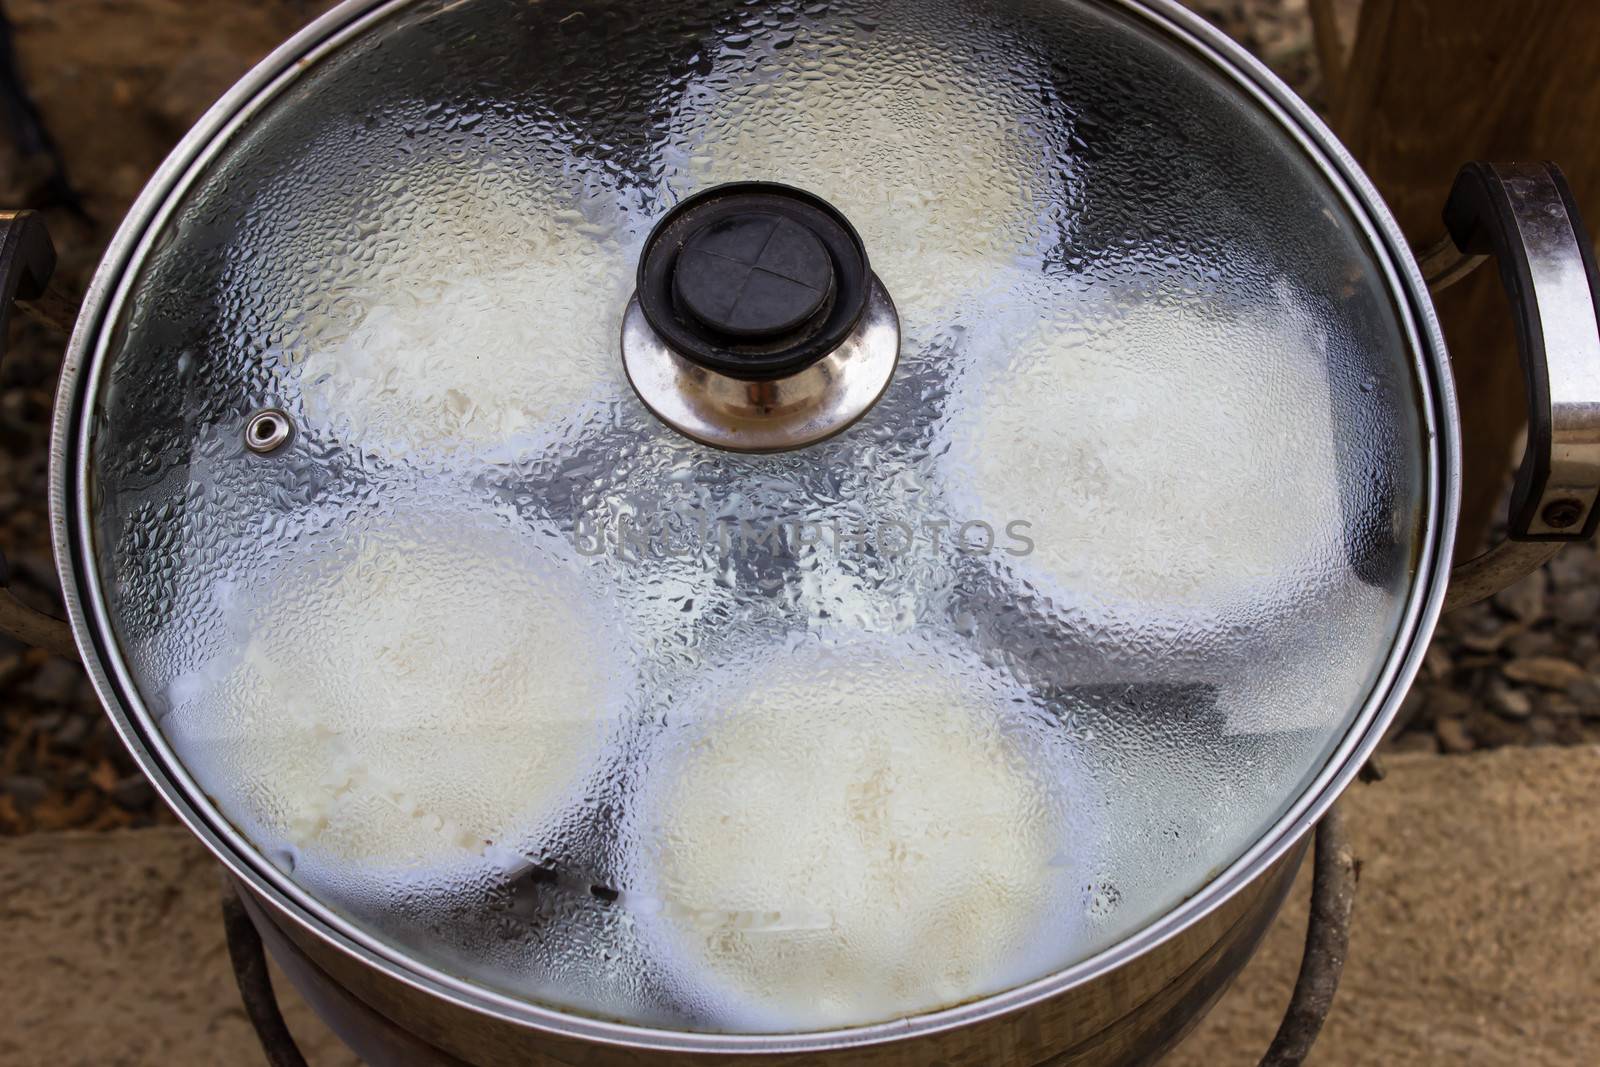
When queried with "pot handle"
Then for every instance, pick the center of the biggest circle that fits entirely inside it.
(27, 259)
(1524, 215)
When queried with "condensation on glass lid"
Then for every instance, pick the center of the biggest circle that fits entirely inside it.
(1172, 455)
(468, 307)
(410, 693)
(875, 139)
(854, 830)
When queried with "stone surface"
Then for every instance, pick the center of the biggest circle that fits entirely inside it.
(1508, 701)
(114, 957)
(1548, 671)
(1474, 939)
(1524, 601)
(1453, 735)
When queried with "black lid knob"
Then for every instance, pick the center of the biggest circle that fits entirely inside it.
(752, 276)
(753, 280)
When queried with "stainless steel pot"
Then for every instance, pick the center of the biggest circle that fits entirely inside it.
(192, 451)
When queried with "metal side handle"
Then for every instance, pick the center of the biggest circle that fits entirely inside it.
(27, 259)
(1524, 216)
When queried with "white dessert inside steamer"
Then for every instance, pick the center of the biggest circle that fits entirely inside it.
(850, 838)
(1162, 455)
(936, 228)
(420, 694)
(488, 311)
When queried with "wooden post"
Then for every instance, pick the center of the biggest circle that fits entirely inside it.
(1432, 84)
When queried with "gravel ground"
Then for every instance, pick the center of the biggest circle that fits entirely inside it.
(120, 80)
(1278, 32)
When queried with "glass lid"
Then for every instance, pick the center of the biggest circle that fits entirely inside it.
(448, 617)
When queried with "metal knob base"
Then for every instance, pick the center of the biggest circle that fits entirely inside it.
(741, 415)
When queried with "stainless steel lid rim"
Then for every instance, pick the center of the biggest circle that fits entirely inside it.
(70, 494)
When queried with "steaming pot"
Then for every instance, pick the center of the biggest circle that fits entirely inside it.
(850, 532)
